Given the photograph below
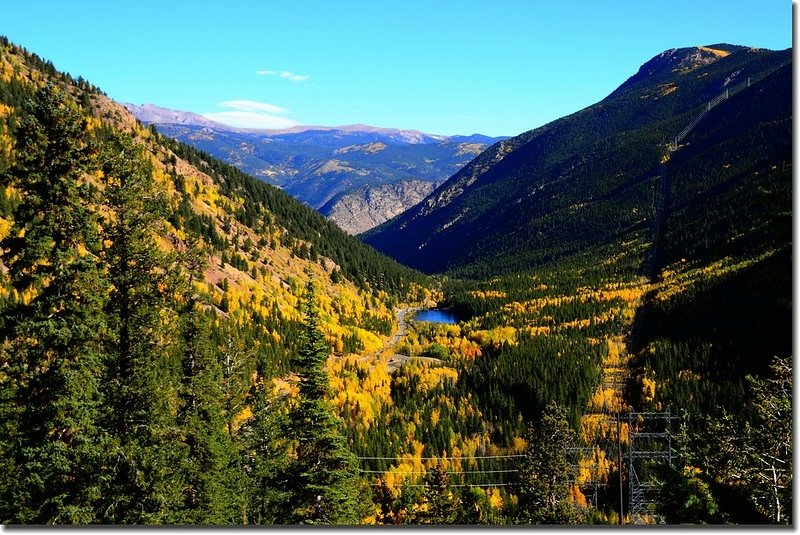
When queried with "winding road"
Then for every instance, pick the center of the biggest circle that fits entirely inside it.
(396, 359)
(401, 325)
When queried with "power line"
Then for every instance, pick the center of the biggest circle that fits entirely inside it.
(718, 99)
(401, 484)
(455, 472)
(445, 458)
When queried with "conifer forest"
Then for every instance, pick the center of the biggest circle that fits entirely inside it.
(182, 343)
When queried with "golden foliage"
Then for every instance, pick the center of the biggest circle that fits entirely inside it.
(683, 276)
(717, 52)
(577, 497)
(5, 227)
(494, 498)
(241, 417)
(488, 294)
(360, 388)
(495, 337)
(648, 389)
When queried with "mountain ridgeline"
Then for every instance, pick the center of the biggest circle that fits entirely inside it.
(357, 175)
(582, 180)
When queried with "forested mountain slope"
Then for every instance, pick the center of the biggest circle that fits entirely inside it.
(723, 259)
(166, 359)
(585, 179)
(233, 215)
(693, 240)
(149, 298)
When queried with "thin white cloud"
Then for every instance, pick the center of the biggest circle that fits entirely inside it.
(250, 119)
(294, 77)
(251, 114)
(252, 105)
(286, 75)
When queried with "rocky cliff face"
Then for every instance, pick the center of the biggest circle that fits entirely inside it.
(368, 207)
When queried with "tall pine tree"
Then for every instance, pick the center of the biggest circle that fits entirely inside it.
(265, 460)
(440, 506)
(545, 476)
(142, 383)
(214, 487)
(320, 479)
(52, 325)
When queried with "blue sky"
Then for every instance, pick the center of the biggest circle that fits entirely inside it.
(498, 67)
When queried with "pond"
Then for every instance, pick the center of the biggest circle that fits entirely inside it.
(435, 315)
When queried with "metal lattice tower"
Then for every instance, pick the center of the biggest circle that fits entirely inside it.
(675, 145)
(650, 443)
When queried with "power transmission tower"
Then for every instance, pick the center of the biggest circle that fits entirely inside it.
(649, 444)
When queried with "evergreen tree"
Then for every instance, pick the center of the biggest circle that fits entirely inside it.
(55, 465)
(382, 497)
(236, 361)
(265, 461)
(439, 506)
(474, 508)
(544, 478)
(320, 478)
(753, 458)
(684, 498)
(142, 384)
(214, 487)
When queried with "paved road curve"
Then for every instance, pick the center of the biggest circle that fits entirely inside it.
(396, 359)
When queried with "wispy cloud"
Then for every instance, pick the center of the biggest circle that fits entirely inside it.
(252, 105)
(287, 75)
(252, 114)
(294, 77)
(249, 119)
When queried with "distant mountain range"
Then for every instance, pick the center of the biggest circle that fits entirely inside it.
(343, 171)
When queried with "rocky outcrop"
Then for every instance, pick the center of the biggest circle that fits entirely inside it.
(368, 207)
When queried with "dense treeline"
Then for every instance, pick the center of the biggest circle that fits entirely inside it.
(360, 264)
(129, 393)
(582, 180)
(519, 380)
(728, 234)
(553, 321)
(106, 358)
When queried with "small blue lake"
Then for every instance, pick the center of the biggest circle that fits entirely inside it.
(434, 315)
